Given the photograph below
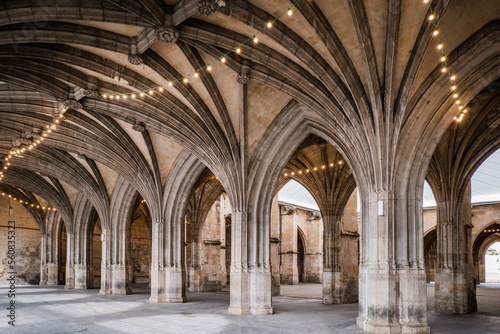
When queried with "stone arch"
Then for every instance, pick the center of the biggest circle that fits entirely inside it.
(116, 241)
(481, 243)
(167, 270)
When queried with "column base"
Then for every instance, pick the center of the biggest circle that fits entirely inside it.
(455, 292)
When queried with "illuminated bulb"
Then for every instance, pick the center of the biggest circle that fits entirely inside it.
(111, 97)
(43, 208)
(431, 17)
(160, 89)
(124, 97)
(185, 80)
(289, 12)
(435, 33)
(32, 205)
(315, 168)
(238, 50)
(57, 121)
(426, 1)
(453, 87)
(49, 130)
(255, 40)
(455, 96)
(150, 92)
(286, 174)
(133, 96)
(20, 201)
(196, 74)
(440, 46)
(452, 78)
(170, 83)
(142, 94)
(293, 173)
(460, 107)
(104, 95)
(38, 141)
(443, 69)
(269, 24)
(300, 172)
(307, 170)
(464, 111)
(45, 135)
(223, 59)
(323, 166)
(457, 102)
(209, 68)
(117, 97)
(340, 162)
(38, 206)
(61, 115)
(443, 58)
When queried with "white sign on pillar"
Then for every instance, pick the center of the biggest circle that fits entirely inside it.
(380, 208)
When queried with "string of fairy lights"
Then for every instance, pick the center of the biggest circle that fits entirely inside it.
(312, 169)
(49, 128)
(28, 204)
(445, 69)
(207, 67)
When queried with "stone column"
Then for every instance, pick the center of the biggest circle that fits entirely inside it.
(106, 272)
(119, 279)
(70, 262)
(43, 260)
(455, 279)
(289, 270)
(333, 279)
(80, 276)
(196, 272)
(157, 273)
(392, 282)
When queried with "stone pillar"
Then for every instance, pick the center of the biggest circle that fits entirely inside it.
(455, 279)
(289, 270)
(70, 262)
(392, 281)
(52, 269)
(250, 285)
(196, 273)
(175, 289)
(157, 273)
(119, 279)
(106, 271)
(43, 260)
(333, 279)
(80, 276)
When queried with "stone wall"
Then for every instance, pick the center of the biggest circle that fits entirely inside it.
(28, 239)
(140, 250)
(306, 266)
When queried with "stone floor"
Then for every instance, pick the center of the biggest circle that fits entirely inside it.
(299, 310)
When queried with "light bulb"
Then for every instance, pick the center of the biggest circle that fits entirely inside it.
(196, 74)
(133, 96)
(150, 92)
(455, 96)
(185, 80)
(452, 78)
(289, 12)
(464, 111)
(435, 33)
(142, 94)
(286, 174)
(111, 97)
(307, 170)
(453, 87)
(255, 40)
(269, 24)
(160, 89)
(431, 17)
(457, 102)
(238, 50)
(117, 97)
(443, 58)
(223, 59)
(209, 68)
(124, 97)
(104, 95)
(443, 69)
(293, 173)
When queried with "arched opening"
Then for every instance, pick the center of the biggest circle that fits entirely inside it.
(300, 255)
(318, 224)
(63, 245)
(492, 263)
(95, 253)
